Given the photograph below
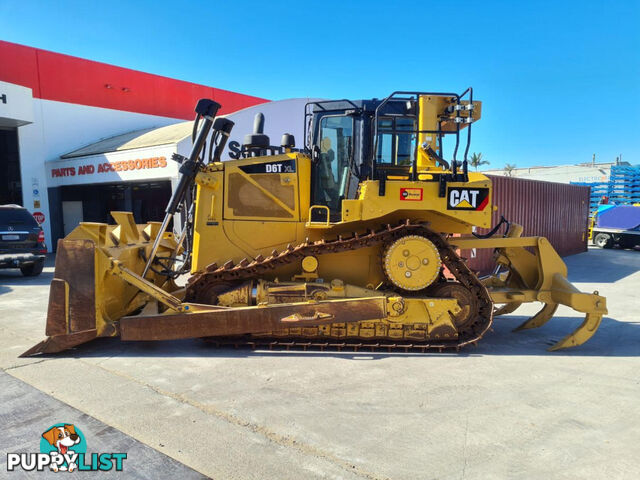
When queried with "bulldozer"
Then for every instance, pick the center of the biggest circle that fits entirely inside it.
(353, 240)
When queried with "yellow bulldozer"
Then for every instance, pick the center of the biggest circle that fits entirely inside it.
(351, 241)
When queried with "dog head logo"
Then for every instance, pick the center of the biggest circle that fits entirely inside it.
(62, 437)
(63, 442)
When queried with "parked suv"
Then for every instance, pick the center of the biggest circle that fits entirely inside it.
(21, 241)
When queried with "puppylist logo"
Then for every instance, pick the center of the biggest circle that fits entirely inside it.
(63, 448)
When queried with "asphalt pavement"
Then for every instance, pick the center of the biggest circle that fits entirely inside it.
(505, 409)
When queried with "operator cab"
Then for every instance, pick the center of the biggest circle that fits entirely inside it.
(339, 137)
(391, 139)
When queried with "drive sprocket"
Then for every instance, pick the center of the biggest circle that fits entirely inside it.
(411, 262)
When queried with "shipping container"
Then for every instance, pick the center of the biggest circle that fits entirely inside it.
(557, 211)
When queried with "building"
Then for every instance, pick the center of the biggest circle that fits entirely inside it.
(578, 173)
(134, 172)
(55, 112)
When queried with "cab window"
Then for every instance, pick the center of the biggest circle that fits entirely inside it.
(396, 143)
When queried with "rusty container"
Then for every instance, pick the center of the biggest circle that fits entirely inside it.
(557, 211)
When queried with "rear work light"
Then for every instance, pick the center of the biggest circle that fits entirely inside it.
(43, 247)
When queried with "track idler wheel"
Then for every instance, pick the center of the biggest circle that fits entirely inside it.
(467, 301)
(209, 294)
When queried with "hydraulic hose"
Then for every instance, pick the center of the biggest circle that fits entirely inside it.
(495, 229)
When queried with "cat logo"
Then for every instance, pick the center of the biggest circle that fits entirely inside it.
(467, 198)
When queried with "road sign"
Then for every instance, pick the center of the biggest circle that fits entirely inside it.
(39, 216)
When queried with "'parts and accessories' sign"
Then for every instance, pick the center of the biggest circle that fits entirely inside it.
(113, 167)
(105, 167)
(460, 198)
(63, 448)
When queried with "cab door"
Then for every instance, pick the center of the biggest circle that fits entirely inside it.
(333, 176)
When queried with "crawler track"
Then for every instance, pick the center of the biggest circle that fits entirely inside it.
(261, 266)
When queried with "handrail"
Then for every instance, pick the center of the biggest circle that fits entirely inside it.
(324, 207)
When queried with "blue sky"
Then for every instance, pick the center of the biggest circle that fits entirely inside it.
(559, 80)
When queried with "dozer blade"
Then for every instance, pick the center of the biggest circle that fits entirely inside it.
(90, 290)
(60, 343)
(71, 315)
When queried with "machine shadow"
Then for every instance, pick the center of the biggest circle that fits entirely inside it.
(613, 339)
(604, 266)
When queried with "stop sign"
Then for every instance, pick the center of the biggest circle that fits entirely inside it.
(39, 216)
